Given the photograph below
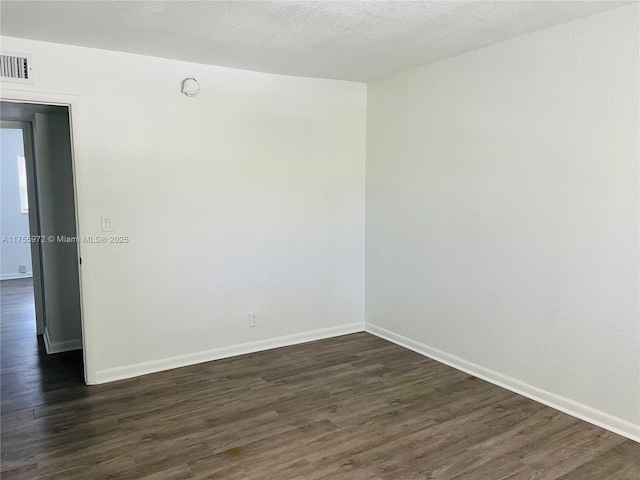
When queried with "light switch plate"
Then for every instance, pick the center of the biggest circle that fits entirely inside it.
(107, 223)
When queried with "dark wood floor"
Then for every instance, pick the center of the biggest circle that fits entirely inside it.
(354, 407)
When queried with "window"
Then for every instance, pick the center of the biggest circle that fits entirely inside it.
(22, 178)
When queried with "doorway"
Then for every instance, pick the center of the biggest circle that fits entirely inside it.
(48, 306)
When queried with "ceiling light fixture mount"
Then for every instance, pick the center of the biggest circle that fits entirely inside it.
(190, 87)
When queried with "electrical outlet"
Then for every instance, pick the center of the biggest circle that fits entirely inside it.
(253, 319)
(23, 269)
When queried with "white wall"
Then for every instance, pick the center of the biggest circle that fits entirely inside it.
(248, 197)
(60, 282)
(502, 210)
(13, 221)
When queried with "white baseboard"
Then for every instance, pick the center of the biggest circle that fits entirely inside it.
(15, 276)
(59, 347)
(571, 407)
(120, 373)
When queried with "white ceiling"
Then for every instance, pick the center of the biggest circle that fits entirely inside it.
(349, 40)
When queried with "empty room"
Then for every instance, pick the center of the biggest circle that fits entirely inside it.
(305, 240)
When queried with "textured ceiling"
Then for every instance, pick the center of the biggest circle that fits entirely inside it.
(360, 41)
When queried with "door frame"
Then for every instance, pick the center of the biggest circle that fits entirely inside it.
(72, 102)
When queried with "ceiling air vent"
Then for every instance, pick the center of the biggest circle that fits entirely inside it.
(16, 67)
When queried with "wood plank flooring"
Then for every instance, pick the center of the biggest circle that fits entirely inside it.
(354, 407)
